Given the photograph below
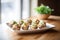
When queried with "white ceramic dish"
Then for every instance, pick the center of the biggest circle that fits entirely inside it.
(48, 26)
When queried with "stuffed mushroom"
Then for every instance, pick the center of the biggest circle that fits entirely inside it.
(21, 22)
(25, 26)
(41, 24)
(28, 21)
(35, 21)
(33, 26)
(16, 27)
(11, 23)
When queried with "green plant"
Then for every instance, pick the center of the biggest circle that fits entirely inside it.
(43, 9)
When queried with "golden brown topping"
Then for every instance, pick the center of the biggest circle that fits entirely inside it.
(11, 23)
(35, 21)
(41, 24)
(33, 26)
(21, 22)
(16, 27)
(25, 26)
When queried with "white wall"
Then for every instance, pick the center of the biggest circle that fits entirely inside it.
(25, 9)
(12, 12)
(34, 4)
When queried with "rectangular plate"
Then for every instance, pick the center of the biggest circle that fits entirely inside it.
(48, 26)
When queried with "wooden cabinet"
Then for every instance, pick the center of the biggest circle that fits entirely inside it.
(55, 4)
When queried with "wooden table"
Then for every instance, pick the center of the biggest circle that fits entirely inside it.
(7, 34)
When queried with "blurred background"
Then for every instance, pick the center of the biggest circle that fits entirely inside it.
(22, 9)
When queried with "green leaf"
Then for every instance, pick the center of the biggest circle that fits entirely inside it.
(43, 9)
